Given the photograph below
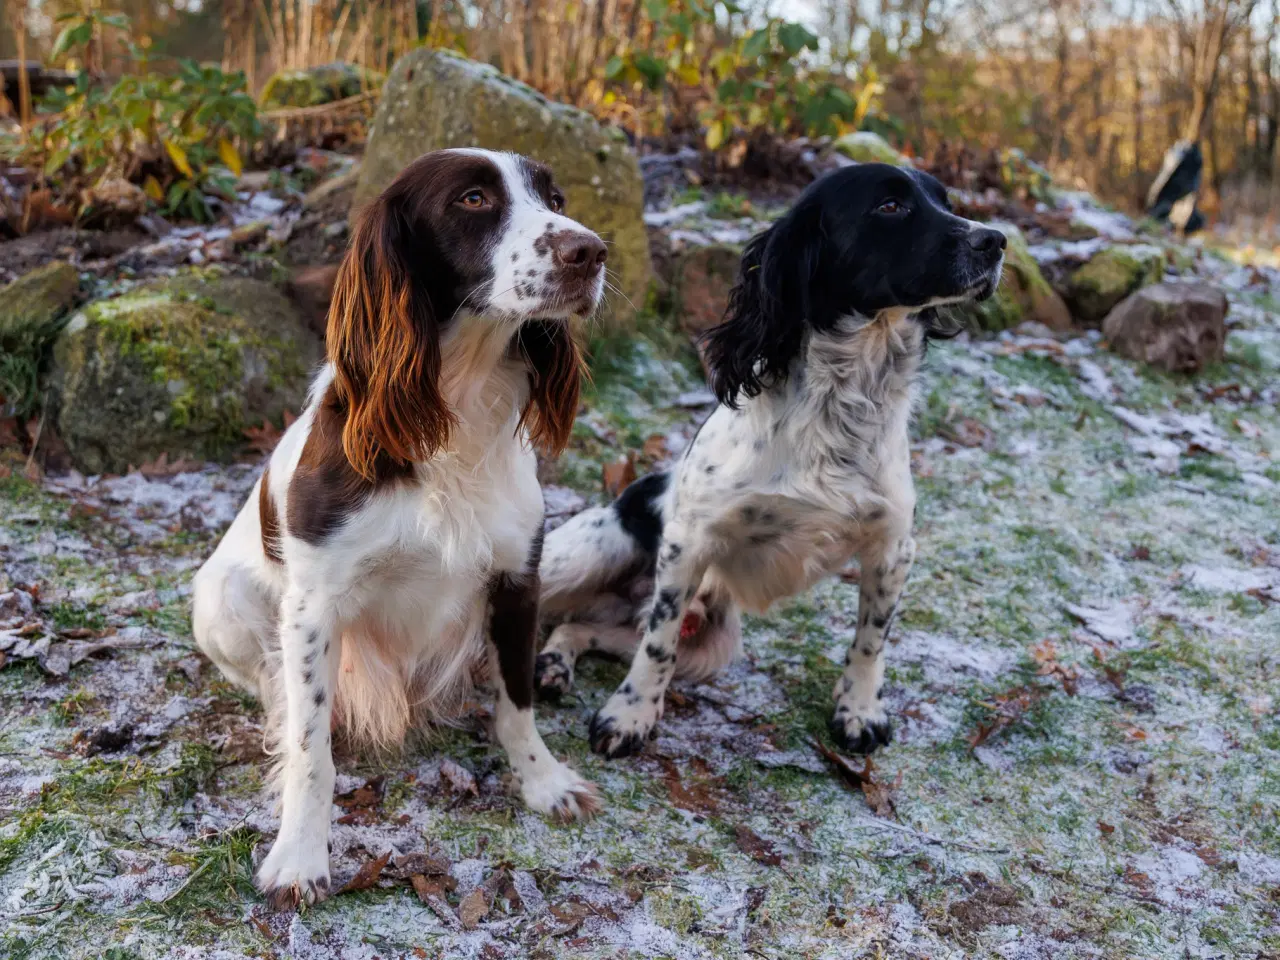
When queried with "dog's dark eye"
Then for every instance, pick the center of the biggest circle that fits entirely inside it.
(892, 208)
(474, 200)
(557, 203)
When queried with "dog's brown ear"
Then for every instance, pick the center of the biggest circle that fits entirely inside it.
(555, 376)
(384, 342)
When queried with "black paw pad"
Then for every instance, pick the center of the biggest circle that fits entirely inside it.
(552, 677)
(607, 741)
(871, 736)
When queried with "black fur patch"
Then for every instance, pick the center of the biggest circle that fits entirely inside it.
(639, 512)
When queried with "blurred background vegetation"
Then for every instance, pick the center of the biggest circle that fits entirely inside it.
(1096, 90)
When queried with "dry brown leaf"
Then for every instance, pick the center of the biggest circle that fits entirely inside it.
(697, 795)
(361, 803)
(1045, 653)
(458, 779)
(473, 908)
(619, 474)
(655, 447)
(367, 876)
(430, 890)
(263, 439)
(970, 433)
(877, 794)
(1106, 828)
(1007, 708)
(756, 847)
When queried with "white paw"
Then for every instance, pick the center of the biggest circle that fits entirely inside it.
(295, 873)
(860, 729)
(560, 793)
(626, 723)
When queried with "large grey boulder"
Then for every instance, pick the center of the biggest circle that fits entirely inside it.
(179, 366)
(434, 99)
(32, 309)
(1178, 327)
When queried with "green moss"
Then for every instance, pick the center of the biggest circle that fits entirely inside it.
(32, 309)
(863, 146)
(1110, 276)
(180, 366)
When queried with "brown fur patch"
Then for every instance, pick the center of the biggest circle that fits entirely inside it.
(269, 520)
(325, 488)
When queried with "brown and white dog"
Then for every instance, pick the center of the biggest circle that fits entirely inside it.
(396, 532)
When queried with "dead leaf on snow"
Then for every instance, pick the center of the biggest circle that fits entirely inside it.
(473, 908)
(458, 779)
(361, 803)
(698, 794)
(970, 433)
(756, 846)
(431, 890)
(367, 876)
(1045, 653)
(878, 795)
(1007, 709)
(1250, 430)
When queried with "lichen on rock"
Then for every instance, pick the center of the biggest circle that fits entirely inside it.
(179, 367)
(435, 99)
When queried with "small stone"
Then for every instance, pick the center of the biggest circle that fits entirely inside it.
(1177, 327)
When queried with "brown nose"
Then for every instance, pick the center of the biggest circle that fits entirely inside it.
(579, 253)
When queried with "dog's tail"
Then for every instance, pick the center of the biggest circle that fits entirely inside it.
(603, 549)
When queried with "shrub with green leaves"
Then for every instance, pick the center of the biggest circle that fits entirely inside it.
(177, 135)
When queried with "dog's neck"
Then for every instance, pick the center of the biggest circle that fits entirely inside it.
(850, 387)
(482, 379)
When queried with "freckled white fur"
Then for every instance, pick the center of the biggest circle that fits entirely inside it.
(397, 595)
(765, 501)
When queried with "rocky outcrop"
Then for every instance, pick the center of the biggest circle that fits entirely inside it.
(1178, 327)
(434, 99)
(1024, 294)
(179, 367)
(1109, 276)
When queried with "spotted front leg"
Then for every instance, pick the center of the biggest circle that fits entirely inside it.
(860, 723)
(297, 868)
(626, 722)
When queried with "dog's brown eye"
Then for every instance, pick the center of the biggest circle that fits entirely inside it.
(892, 208)
(557, 203)
(473, 199)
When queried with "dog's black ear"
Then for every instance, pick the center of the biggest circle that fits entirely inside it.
(770, 305)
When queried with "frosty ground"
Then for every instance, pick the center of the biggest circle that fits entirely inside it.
(1084, 677)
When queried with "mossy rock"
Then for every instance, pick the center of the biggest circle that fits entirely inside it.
(1111, 275)
(1024, 293)
(179, 366)
(32, 309)
(435, 99)
(317, 85)
(866, 147)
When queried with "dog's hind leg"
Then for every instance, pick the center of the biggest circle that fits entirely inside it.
(553, 672)
(860, 723)
(596, 549)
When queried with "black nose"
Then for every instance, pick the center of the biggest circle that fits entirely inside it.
(580, 253)
(988, 241)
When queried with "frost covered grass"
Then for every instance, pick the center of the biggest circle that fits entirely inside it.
(1083, 675)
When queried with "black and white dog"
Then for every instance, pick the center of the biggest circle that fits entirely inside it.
(804, 465)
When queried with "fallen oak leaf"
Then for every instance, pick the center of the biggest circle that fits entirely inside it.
(367, 876)
(458, 778)
(1009, 707)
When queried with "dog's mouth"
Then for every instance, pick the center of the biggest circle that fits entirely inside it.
(573, 296)
(986, 287)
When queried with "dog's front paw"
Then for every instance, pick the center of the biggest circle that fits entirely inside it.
(294, 874)
(552, 675)
(624, 725)
(861, 731)
(561, 794)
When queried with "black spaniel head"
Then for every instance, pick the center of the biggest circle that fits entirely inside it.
(859, 241)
